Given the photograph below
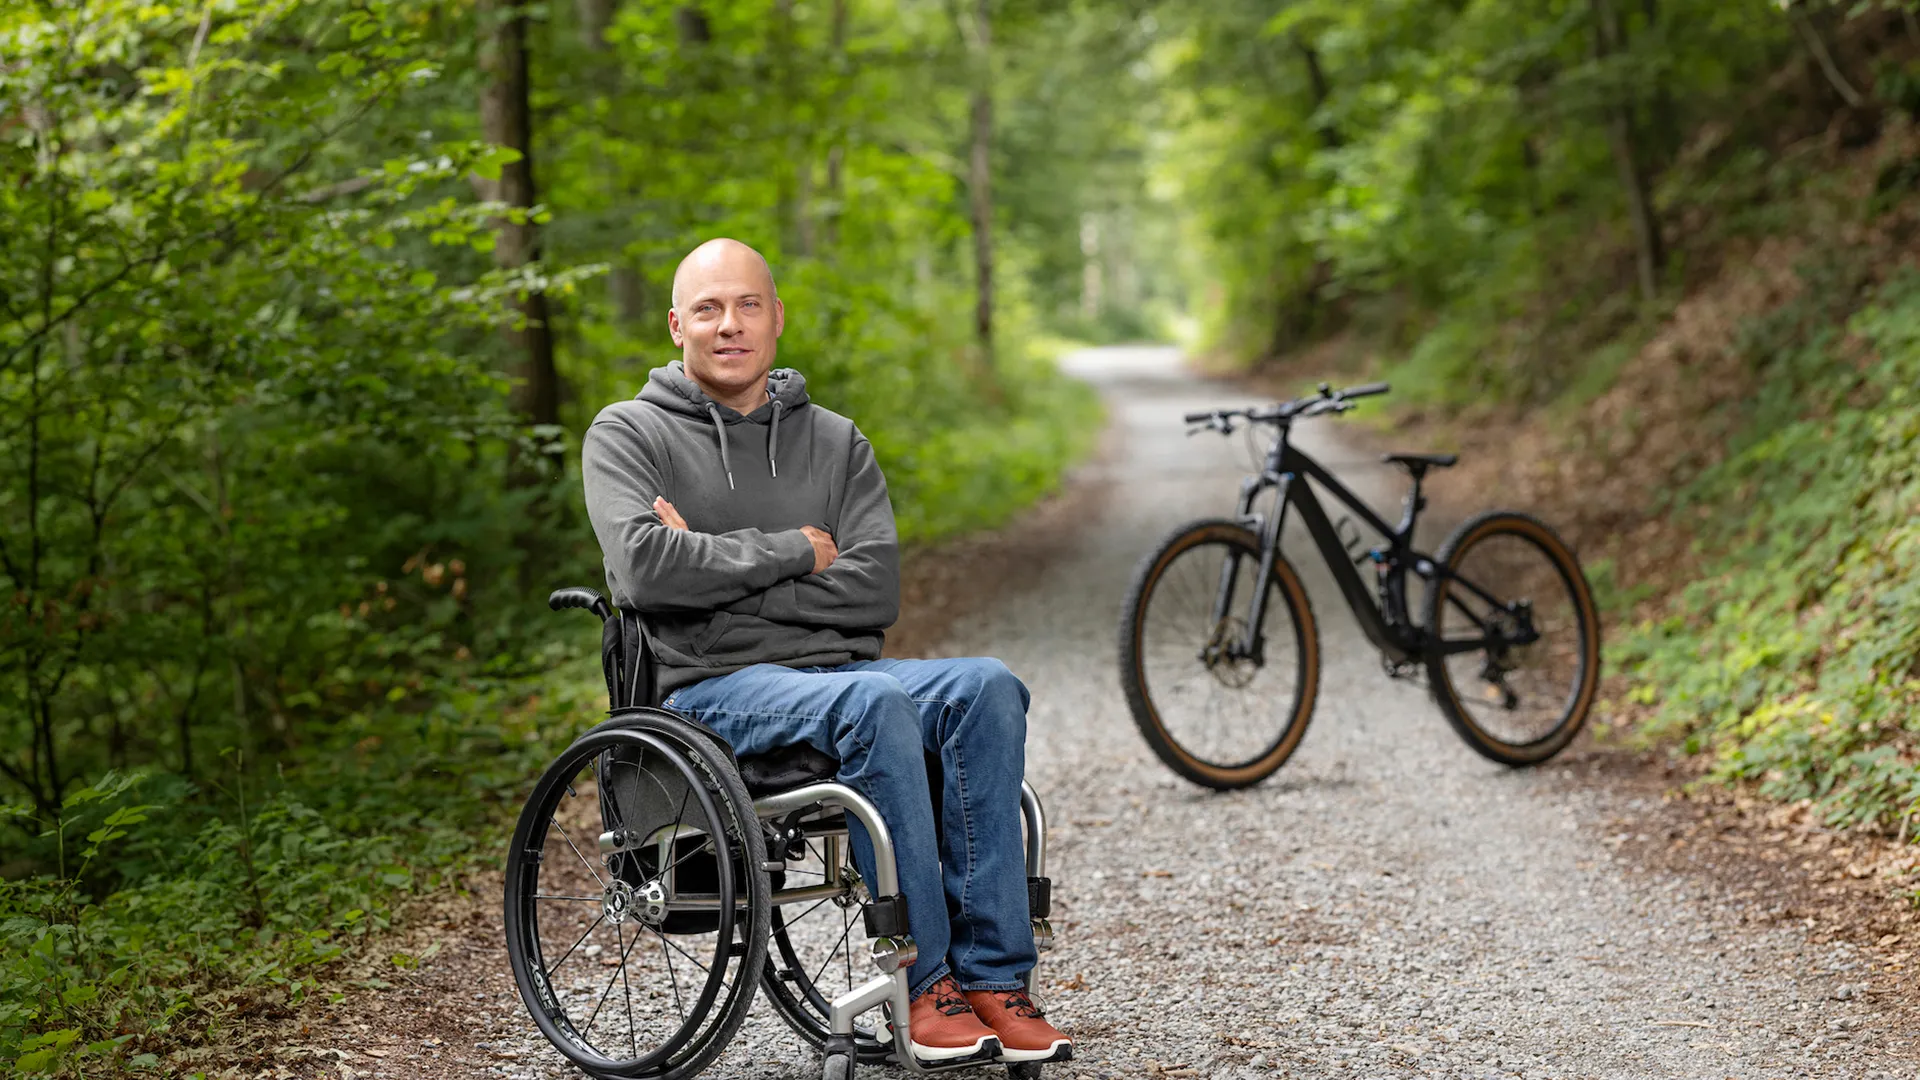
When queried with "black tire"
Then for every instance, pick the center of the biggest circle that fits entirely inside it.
(657, 755)
(1025, 1070)
(1287, 608)
(1513, 558)
(839, 1063)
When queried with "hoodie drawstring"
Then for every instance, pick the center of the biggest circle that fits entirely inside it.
(720, 431)
(773, 440)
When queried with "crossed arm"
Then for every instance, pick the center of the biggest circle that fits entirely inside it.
(855, 583)
(848, 579)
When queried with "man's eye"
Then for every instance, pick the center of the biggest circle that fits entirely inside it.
(751, 303)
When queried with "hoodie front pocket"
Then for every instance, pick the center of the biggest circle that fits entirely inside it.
(711, 634)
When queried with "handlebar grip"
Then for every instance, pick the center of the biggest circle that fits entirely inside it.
(576, 596)
(1201, 417)
(1364, 390)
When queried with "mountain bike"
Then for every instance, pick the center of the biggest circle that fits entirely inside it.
(1220, 652)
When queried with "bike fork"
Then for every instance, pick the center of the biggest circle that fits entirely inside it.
(1251, 645)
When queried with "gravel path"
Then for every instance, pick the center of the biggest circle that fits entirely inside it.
(1389, 905)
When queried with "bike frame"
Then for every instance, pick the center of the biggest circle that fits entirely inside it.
(1392, 631)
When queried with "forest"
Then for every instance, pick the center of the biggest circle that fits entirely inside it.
(304, 305)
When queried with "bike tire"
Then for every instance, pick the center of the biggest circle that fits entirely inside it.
(1440, 680)
(1147, 715)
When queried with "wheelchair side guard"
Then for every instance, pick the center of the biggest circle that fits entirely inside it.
(1039, 896)
(886, 916)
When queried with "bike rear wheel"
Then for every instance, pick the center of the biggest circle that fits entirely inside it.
(1212, 714)
(1503, 574)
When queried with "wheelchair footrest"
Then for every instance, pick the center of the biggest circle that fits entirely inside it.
(1039, 896)
(886, 916)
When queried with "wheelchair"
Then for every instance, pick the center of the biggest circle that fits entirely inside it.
(655, 881)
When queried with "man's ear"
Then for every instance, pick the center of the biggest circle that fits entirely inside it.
(779, 317)
(673, 329)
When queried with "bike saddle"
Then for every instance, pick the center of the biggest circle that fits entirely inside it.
(1420, 463)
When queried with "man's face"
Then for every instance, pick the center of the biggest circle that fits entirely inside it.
(727, 321)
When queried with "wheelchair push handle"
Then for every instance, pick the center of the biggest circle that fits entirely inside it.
(576, 596)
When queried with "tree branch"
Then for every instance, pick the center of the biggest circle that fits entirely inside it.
(1821, 56)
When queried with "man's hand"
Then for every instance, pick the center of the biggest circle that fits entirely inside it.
(824, 549)
(670, 517)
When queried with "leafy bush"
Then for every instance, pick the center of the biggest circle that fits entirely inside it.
(1795, 658)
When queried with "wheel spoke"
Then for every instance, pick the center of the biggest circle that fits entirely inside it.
(575, 945)
(836, 950)
(633, 1037)
(670, 867)
(690, 959)
(576, 851)
(672, 977)
(608, 992)
(811, 908)
(846, 953)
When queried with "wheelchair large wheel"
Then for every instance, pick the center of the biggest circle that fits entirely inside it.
(816, 952)
(637, 900)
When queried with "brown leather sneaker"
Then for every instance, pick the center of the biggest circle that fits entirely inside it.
(942, 1027)
(1024, 1034)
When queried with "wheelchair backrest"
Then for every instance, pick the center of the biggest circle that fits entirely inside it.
(626, 656)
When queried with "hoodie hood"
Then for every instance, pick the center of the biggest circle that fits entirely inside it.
(670, 388)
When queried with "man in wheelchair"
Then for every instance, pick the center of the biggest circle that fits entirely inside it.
(752, 528)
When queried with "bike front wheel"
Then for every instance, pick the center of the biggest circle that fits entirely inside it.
(1219, 714)
(1515, 660)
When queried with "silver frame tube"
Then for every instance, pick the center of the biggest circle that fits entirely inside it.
(891, 989)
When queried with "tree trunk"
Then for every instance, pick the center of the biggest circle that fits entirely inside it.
(1299, 313)
(626, 289)
(595, 16)
(1317, 82)
(693, 25)
(1609, 39)
(506, 120)
(1663, 126)
(1092, 300)
(836, 154)
(979, 180)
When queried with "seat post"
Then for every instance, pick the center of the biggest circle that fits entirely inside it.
(1414, 502)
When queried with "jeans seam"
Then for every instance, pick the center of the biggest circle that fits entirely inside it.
(990, 986)
(940, 971)
(973, 862)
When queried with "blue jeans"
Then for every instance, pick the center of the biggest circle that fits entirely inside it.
(881, 719)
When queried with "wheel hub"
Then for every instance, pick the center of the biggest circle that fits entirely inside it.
(1223, 658)
(646, 904)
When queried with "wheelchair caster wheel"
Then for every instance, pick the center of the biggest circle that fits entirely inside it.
(1024, 1070)
(840, 1059)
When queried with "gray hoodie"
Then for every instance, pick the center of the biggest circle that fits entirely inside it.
(737, 587)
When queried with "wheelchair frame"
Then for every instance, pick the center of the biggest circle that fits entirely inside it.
(809, 812)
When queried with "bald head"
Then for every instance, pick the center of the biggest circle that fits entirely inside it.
(727, 320)
(723, 258)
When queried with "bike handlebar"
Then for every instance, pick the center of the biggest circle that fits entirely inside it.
(1327, 400)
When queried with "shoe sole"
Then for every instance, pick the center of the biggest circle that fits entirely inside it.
(1061, 1050)
(986, 1045)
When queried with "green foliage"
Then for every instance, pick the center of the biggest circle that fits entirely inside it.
(273, 540)
(1402, 164)
(246, 899)
(1795, 659)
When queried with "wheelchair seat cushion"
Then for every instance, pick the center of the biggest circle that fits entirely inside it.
(785, 769)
